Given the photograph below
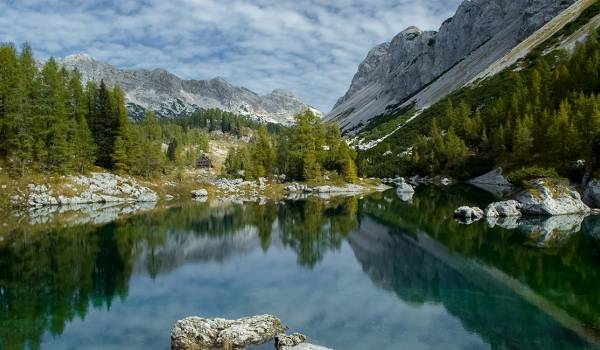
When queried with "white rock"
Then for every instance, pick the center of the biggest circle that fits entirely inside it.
(195, 333)
(469, 214)
(547, 197)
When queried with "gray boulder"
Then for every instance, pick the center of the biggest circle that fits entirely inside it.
(591, 196)
(194, 333)
(548, 197)
(503, 209)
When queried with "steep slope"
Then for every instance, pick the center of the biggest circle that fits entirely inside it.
(171, 96)
(480, 33)
(487, 125)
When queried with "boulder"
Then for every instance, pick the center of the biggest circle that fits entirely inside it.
(503, 209)
(548, 197)
(194, 333)
(591, 195)
(468, 213)
(202, 193)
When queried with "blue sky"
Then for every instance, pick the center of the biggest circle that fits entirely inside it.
(310, 47)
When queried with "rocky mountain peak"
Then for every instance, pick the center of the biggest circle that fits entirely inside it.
(284, 93)
(170, 96)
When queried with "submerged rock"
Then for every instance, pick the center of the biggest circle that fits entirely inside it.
(548, 197)
(503, 209)
(197, 333)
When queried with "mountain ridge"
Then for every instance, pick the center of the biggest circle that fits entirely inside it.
(170, 96)
(396, 73)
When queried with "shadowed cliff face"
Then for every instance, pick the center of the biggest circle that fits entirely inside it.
(481, 32)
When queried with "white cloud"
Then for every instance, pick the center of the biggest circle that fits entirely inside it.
(311, 47)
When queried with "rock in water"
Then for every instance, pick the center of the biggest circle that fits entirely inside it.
(197, 333)
(548, 197)
(469, 214)
(591, 196)
(503, 209)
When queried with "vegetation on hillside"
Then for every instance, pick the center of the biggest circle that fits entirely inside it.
(51, 124)
(304, 151)
(546, 114)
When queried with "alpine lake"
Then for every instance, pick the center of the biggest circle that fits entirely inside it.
(372, 272)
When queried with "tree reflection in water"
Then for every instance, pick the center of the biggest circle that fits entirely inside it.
(498, 285)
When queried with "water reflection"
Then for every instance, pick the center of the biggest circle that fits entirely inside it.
(501, 288)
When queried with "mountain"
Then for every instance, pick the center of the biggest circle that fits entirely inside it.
(421, 67)
(171, 96)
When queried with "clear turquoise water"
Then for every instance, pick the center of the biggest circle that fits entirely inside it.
(372, 273)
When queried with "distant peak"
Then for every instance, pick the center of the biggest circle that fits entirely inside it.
(411, 30)
(79, 57)
(220, 80)
(283, 92)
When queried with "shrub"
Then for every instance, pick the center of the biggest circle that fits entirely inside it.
(522, 176)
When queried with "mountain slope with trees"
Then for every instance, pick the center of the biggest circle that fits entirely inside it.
(542, 112)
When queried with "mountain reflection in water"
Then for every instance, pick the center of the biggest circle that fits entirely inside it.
(351, 273)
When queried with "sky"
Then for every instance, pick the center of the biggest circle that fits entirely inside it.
(310, 47)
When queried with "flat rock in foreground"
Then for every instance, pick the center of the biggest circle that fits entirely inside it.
(197, 333)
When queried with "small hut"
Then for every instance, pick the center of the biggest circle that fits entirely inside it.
(204, 162)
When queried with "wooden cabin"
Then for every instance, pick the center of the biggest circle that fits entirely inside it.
(204, 162)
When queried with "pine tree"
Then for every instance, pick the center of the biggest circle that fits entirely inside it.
(172, 150)
(522, 138)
